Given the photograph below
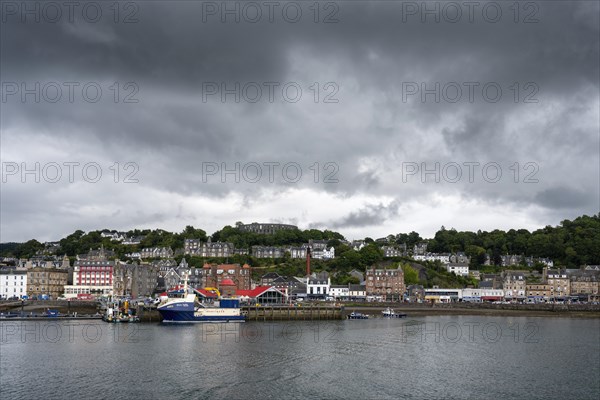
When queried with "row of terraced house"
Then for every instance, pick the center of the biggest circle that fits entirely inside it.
(318, 248)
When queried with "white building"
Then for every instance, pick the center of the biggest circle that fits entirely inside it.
(71, 291)
(318, 287)
(458, 269)
(297, 252)
(323, 254)
(443, 295)
(443, 258)
(357, 245)
(13, 284)
(357, 292)
(390, 251)
(339, 291)
(478, 295)
(113, 235)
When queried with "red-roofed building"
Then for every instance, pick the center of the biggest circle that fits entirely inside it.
(213, 275)
(206, 294)
(262, 295)
(227, 287)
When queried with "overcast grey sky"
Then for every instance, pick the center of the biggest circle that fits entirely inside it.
(497, 102)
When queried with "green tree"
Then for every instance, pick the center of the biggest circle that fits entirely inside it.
(370, 254)
(411, 276)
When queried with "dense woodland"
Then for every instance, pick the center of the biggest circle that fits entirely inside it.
(571, 244)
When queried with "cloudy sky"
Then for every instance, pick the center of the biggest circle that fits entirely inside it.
(368, 118)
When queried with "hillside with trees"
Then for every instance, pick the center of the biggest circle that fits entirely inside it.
(570, 244)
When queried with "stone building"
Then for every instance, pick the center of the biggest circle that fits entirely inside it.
(386, 283)
(560, 287)
(268, 252)
(540, 291)
(514, 284)
(134, 280)
(585, 284)
(213, 274)
(46, 281)
(264, 229)
(208, 249)
(391, 251)
(156, 252)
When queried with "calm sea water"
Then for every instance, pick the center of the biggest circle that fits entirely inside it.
(416, 358)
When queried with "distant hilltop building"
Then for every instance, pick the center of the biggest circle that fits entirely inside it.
(268, 251)
(156, 252)
(264, 229)
(320, 251)
(209, 248)
(513, 259)
(391, 251)
(113, 235)
(97, 255)
(121, 237)
(420, 248)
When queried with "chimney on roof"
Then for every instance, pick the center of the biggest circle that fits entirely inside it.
(308, 261)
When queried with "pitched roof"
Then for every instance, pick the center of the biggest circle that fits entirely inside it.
(270, 275)
(205, 293)
(257, 291)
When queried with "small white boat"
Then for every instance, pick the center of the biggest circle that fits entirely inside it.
(357, 315)
(390, 313)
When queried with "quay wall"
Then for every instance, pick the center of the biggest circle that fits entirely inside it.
(291, 313)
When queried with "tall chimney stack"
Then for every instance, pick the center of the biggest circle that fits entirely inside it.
(308, 261)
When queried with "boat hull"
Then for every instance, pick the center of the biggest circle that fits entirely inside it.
(395, 316)
(182, 311)
(170, 316)
(357, 316)
(390, 313)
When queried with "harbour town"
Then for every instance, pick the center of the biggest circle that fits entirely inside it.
(123, 281)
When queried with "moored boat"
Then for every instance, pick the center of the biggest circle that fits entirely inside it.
(184, 308)
(390, 313)
(357, 315)
(115, 313)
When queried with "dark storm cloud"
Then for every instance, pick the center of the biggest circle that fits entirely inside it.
(371, 54)
(367, 216)
(565, 198)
